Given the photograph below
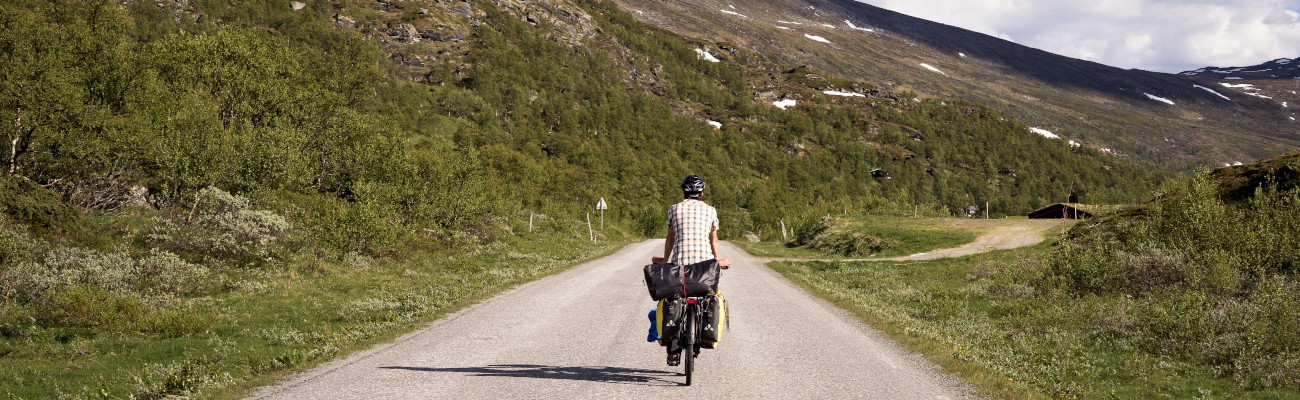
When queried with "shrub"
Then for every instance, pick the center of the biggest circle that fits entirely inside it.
(27, 202)
(86, 306)
(17, 247)
(1213, 280)
(222, 226)
(176, 321)
(850, 244)
(825, 236)
(14, 319)
(117, 274)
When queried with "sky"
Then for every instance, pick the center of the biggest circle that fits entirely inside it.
(1154, 35)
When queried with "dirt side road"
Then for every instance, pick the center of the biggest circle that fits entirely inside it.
(581, 334)
(1000, 234)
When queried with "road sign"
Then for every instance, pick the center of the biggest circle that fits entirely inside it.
(602, 207)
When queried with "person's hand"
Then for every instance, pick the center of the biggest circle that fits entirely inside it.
(725, 263)
(657, 260)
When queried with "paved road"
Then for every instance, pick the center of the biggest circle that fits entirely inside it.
(581, 334)
(1002, 234)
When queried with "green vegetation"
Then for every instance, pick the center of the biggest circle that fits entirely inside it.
(860, 235)
(87, 323)
(1190, 295)
(182, 177)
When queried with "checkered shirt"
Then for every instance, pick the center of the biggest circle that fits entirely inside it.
(692, 221)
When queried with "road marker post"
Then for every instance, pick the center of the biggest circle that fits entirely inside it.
(602, 206)
(589, 232)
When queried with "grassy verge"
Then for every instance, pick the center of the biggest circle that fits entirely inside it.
(279, 321)
(902, 236)
(1005, 339)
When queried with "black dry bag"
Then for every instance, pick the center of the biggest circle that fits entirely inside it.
(699, 279)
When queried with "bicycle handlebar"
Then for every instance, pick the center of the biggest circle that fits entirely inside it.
(724, 263)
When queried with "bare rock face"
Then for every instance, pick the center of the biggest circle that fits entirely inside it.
(136, 196)
(405, 33)
(344, 21)
(297, 5)
(441, 33)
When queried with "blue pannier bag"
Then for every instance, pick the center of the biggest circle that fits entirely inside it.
(654, 327)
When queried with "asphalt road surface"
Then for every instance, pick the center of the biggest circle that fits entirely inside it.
(581, 334)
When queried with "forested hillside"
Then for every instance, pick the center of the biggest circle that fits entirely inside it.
(158, 154)
(264, 100)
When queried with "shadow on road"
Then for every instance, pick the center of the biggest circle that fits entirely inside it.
(592, 374)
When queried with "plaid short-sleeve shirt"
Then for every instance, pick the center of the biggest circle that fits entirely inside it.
(692, 221)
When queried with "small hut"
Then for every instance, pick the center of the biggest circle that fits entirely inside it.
(1070, 211)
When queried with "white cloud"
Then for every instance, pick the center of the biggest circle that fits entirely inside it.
(1158, 35)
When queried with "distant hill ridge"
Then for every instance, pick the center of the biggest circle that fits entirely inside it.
(1165, 119)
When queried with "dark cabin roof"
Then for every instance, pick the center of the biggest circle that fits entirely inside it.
(1071, 210)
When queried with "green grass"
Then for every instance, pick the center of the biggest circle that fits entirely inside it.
(906, 236)
(280, 321)
(1009, 341)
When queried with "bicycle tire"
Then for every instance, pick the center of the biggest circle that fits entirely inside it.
(689, 347)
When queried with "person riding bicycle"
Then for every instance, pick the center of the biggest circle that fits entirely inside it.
(692, 236)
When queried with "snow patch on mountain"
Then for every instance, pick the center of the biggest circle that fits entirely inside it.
(1044, 132)
(782, 27)
(788, 22)
(1159, 99)
(784, 104)
(963, 55)
(844, 94)
(816, 38)
(734, 13)
(1237, 86)
(851, 26)
(1075, 144)
(829, 26)
(715, 124)
(706, 56)
(1212, 91)
(927, 66)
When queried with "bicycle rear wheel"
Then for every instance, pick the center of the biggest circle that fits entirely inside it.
(689, 347)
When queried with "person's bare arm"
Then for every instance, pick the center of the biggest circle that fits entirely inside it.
(668, 244)
(713, 242)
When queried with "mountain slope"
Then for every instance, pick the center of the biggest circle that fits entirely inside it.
(1276, 81)
(1128, 111)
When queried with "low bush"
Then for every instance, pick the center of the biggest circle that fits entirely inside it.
(1200, 278)
(27, 202)
(15, 319)
(159, 273)
(86, 306)
(222, 225)
(835, 239)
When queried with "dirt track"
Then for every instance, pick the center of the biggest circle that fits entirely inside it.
(999, 234)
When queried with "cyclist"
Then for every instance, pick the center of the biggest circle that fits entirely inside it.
(692, 237)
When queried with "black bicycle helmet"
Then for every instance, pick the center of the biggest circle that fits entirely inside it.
(693, 184)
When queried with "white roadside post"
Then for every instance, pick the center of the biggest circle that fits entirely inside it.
(602, 206)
